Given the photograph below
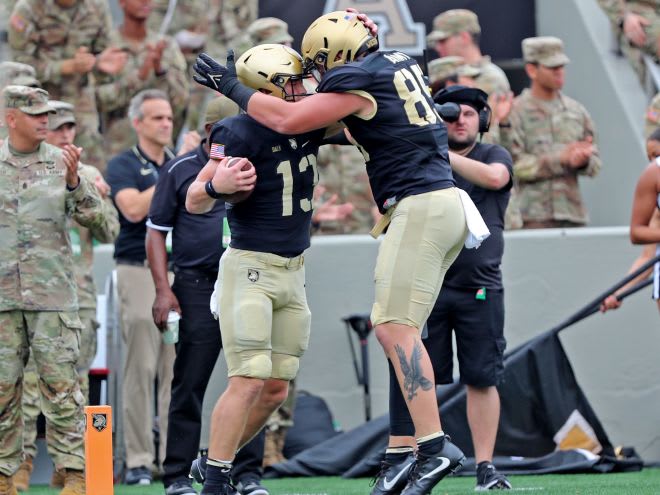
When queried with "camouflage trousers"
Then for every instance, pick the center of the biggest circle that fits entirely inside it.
(31, 396)
(53, 338)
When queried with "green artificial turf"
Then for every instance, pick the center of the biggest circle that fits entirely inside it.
(642, 483)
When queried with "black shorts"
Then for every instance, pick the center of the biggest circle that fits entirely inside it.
(479, 328)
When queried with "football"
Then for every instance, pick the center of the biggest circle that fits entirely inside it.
(238, 196)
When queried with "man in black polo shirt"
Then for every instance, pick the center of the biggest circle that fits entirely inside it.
(470, 303)
(132, 176)
(197, 245)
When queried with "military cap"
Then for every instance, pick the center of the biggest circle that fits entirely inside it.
(63, 114)
(474, 97)
(269, 30)
(220, 108)
(544, 50)
(17, 73)
(33, 101)
(452, 22)
(442, 68)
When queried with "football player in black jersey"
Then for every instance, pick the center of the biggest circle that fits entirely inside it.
(383, 100)
(263, 312)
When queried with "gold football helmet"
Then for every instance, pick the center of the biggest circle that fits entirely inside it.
(334, 39)
(270, 68)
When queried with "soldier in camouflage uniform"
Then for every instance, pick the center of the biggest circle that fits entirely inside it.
(343, 180)
(154, 61)
(636, 24)
(212, 26)
(229, 19)
(456, 32)
(552, 141)
(262, 31)
(67, 41)
(652, 117)
(41, 188)
(61, 133)
(15, 73)
(451, 70)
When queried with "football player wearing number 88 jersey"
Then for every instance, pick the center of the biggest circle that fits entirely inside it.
(263, 312)
(382, 99)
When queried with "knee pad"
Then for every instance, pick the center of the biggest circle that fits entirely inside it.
(285, 367)
(252, 364)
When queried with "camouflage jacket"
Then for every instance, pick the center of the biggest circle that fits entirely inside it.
(229, 18)
(615, 9)
(114, 93)
(82, 243)
(492, 79)
(342, 171)
(539, 132)
(189, 15)
(43, 34)
(652, 116)
(36, 265)
(649, 9)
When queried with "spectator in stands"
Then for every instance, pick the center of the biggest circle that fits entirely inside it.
(637, 27)
(261, 31)
(552, 141)
(195, 257)
(61, 133)
(652, 117)
(68, 42)
(154, 61)
(649, 250)
(15, 73)
(202, 25)
(451, 70)
(457, 32)
(344, 203)
(40, 189)
(132, 175)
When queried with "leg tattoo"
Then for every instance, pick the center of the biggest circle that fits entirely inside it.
(412, 371)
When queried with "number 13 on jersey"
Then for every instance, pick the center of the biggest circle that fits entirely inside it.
(286, 169)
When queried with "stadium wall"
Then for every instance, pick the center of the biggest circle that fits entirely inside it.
(548, 275)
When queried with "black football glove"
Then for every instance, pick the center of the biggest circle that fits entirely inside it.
(222, 79)
(213, 75)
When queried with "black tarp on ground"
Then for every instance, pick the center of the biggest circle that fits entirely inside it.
(538, 395)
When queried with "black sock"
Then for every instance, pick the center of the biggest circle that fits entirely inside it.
(483, 465)
(217, 473)
(397, 455)
(430, 446)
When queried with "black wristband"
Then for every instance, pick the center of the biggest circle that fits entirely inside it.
(208, 187)
(240, 94)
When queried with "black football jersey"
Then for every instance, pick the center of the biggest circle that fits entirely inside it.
(276, 217)
(404, 142)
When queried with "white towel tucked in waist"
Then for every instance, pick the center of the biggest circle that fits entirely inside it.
(477, 229)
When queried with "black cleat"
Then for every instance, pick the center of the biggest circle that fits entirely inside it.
(250, 484)
(393, 477)
(488, 478)
(181, 487)
(198, 469)
(225, 489)
(428, 471)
